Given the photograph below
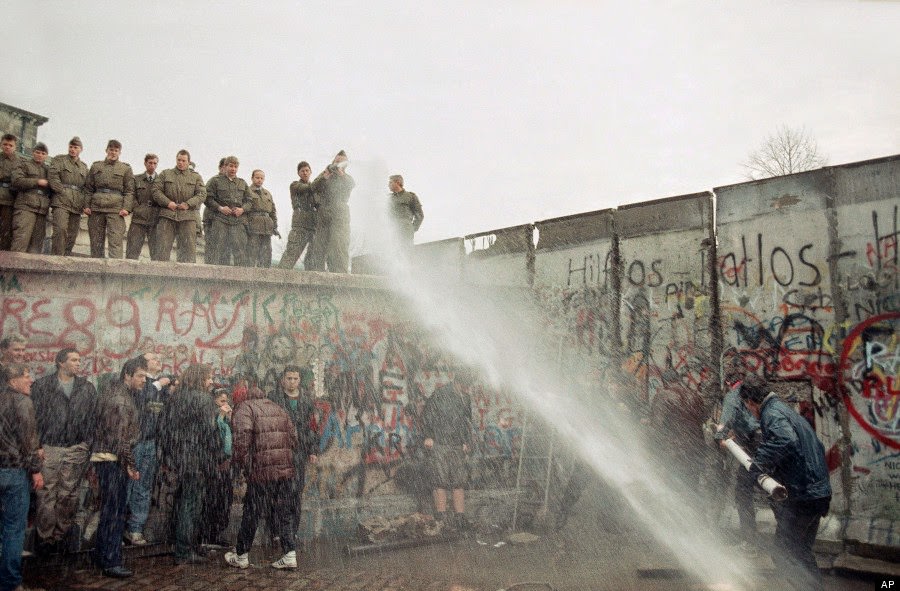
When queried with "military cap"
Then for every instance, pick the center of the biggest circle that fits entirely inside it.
(76, 141)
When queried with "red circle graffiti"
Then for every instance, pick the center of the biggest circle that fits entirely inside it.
(848, 398)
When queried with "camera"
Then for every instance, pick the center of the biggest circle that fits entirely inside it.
(334, 167)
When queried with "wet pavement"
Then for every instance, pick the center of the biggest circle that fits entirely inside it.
(592, 553)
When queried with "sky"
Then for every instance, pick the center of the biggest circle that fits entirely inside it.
(496, 113)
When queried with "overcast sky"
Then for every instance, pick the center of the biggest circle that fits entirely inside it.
(496, 113)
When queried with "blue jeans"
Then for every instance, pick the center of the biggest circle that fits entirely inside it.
(14, 491)
(113, 481)
(139, 491)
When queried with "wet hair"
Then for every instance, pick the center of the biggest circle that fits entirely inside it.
(114, 144)
(151, 156)
(232, 160)
(194, 377)
(754, 388)
(302, 164)
(257, 170)
(14, 370)
(63, 355)
(184, 153)
(290, 368)
(396, 177)
(132, 365)
(8, 340)
(8, 137)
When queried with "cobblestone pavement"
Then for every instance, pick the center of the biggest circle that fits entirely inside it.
(594, 552)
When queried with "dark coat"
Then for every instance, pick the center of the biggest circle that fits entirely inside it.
(791, 452)
(117, 424)
(61, 421)
(188, 435)
(18, 432)
(264, 439)
(447, 417)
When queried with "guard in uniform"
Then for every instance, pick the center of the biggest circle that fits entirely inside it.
(67, 176)
(406, 210)
(9, 160)
(303, 222)
(146, 212)
(262, 223)
(110, 190)
(228, 197)
(30, 181)
(331, 244)
(178, 192)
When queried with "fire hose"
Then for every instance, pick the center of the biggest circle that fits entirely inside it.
(772, 487)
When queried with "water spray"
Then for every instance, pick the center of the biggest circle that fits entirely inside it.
(773, 488)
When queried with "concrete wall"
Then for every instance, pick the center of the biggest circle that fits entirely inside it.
(24, 125)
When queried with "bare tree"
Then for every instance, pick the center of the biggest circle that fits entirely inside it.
(786, 151)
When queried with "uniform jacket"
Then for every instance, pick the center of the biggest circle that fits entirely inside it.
(180, 186)
(447, 417)
(18, 432)
(146, 211)
(117, 424)
(110, 187)
(67, 178)
(7, 166)
(261, 216)
(333, 193)
(264, 439)
(188, 435)
(29, 196)
(61, 421)
(791, 452)
(224, 192)
(303, 200)
(407, 210)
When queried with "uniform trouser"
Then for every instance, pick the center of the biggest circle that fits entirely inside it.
(14, 495)
(271, 500)
(6, 226)
(29, 230)
(331, 243)
(113, 480)
(217, 506)
(139, 491)
(187, 511)
(298, 239)
(228, 243)
(796, 525)
(65, 230)
(137, 235)
(208, 241)
(57, 502)
(106, 228)
(166, 230)
(259, 250)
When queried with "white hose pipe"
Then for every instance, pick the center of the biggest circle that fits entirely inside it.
(772, 487)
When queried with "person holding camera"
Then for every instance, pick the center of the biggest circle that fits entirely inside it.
(331, 243)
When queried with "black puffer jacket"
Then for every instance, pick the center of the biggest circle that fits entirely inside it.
(188, 435)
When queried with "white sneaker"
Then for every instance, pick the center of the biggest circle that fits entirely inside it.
(136, 538)
(237, 560)
(289, 560)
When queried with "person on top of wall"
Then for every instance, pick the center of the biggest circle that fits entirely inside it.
(9, 160)
(228, 197)
(331, 242)
(67, 177)
(146, 212)
(178, 192)
(262, 223)
(110, 199)
(792, 454)
(303, 222)
(406, 210)
(30, 180)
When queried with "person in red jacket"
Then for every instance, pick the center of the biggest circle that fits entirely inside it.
(264, 443)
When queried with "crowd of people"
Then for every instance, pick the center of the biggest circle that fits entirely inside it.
(59, 431)
(238, 219)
